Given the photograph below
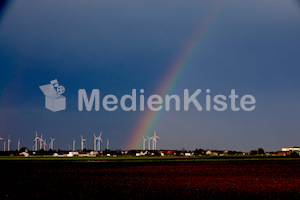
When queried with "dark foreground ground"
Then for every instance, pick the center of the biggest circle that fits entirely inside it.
(240, 179)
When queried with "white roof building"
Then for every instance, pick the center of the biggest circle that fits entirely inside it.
(291, 149)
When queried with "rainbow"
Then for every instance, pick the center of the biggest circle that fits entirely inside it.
(146, 124)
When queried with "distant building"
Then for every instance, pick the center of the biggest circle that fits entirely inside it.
(283, 153)
(291, 149)
(212, 153)
(187, 154)
(25, 154)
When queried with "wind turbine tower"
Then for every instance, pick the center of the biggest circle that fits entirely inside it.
(149, 139)
(144, 143)
(107, 143)
(8, 143)
(99, 140)
(1, 138)
(74, 144)
(19, 144)
(41, 141)
(82, 143)
(44, 144)
(95, 141)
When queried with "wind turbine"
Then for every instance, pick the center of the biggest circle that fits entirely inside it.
(36, 140)
(44, 144)
(82, 141)
(107, 143)
(19, 144)
(149, 139)
(144, 143)
(154, 143)
(69, 147)
(154, 140)
(51, 143)
(8, 143)
(41, 141)
(74, 144)
(4, 146)
(99, 139)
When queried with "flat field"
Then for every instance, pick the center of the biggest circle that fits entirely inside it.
(150, 178)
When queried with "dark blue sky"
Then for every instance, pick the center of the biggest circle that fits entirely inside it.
(115, 46)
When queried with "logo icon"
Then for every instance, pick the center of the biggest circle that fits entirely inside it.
(54, 100)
